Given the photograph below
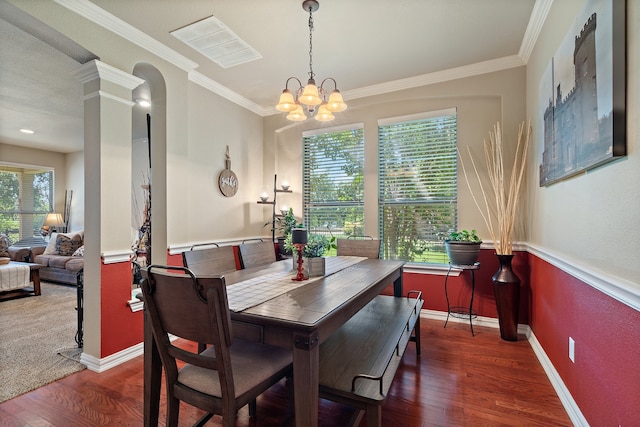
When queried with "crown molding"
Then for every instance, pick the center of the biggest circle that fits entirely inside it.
(226, 93)
(101, 17)
(436, 77)
(536, 21)
(95, 14)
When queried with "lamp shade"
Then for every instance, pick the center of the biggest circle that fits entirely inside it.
(299, 236)
(336, 103)
(310, 94)
(297, 115)
(53, 220)
(324, 115)
(287, 103)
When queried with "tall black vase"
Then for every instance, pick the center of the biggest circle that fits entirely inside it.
(506, 288)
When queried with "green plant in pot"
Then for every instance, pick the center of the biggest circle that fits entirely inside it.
(313, 253)
(284, 224)
(463, 247)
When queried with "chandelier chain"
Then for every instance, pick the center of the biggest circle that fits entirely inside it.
(311, 73)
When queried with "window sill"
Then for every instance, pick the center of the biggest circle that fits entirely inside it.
(433, 269)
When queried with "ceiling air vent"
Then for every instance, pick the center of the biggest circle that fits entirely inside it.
(217, 42)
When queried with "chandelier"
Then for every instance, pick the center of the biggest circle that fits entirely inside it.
(311, 100)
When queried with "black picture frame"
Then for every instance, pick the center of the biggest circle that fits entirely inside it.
(583, 94)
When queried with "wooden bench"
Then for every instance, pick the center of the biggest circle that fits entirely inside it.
(359, 360)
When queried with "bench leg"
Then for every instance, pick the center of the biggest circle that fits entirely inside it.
(416, 334)
(374, 415)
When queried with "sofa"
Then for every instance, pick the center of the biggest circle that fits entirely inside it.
(62, 258)
(15, 253)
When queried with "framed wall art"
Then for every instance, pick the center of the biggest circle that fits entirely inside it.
(583, 94)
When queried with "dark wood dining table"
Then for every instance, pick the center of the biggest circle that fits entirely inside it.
(300, 319)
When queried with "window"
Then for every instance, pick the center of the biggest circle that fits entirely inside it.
(333, 181)
(26, 196)
(417, 174)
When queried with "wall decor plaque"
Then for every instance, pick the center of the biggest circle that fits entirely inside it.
(227, 180)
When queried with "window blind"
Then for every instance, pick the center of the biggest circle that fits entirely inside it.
(333, 181)
(26, 196)
(417, 177)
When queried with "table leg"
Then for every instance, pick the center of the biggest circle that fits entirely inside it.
(306, 360)
(397, 286)
(35, 278)
(152, 376)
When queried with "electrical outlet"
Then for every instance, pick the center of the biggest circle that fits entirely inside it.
(572, 350)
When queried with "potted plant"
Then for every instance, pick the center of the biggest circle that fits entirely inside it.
(313, 253)
(499, 212)
(284, 224)
(463, 247)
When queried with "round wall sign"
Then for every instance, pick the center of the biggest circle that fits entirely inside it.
(227, 180)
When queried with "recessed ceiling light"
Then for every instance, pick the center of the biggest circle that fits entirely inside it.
(29, 131)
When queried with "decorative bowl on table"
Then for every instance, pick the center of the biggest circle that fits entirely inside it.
(4, 260)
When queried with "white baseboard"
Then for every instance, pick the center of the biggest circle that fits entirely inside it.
(556, 381)
(101, 365)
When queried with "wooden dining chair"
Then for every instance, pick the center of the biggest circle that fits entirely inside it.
(231, 372)
(256, 253)
(212, 260)
(367, 247)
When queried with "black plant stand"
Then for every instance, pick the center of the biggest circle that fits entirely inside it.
(460, 311)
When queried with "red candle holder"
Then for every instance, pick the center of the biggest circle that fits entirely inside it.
(300, 276)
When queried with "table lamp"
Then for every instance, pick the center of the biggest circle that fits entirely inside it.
(53, 221)
(299, 240)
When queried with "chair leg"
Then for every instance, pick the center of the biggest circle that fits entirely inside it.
(253, 408)
(290, 394)
(173, 411)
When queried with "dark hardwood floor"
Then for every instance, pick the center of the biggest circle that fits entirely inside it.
(458, 380)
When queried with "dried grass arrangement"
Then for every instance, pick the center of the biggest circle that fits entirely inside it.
(499, 213)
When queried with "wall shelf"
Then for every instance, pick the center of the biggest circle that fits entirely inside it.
(273, 202)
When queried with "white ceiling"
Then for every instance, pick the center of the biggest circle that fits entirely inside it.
(369, 47)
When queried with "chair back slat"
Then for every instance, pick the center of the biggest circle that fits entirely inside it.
(256, 254)
(210, 261)
(369, 248)
(180, 303)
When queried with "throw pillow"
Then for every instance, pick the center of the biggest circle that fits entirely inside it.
(79, 251)
(51, 246)
(66, 245)
(4, 246)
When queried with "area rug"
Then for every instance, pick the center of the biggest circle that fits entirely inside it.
(37, 340)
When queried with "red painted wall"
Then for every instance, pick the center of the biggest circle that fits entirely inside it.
(120, 328)
(605, 379)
